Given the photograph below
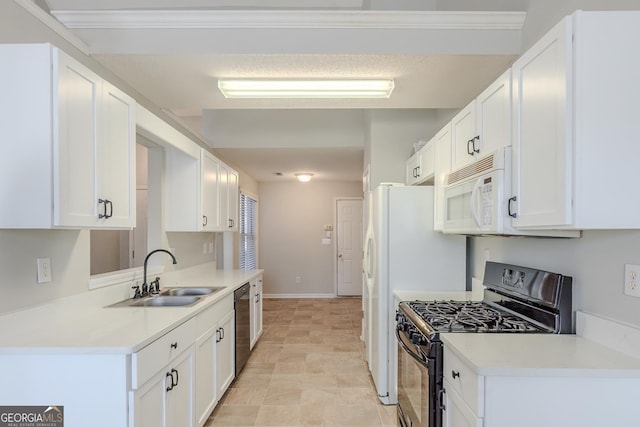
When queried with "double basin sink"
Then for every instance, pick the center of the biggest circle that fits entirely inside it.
(171, 297)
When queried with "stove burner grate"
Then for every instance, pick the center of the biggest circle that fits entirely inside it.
(469, 316)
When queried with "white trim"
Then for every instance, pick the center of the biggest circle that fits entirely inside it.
(128, 275)
(301, 296)
(288, 19)
(53, 24)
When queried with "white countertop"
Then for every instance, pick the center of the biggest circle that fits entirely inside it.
(548, 355)
(83, 324)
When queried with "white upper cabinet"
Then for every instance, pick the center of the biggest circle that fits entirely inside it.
(442, 145)
(493, 117)
(69, 143)
(464, 136)
(209, 199)
(484, 125)
(201, 193)
(575, 125)
(228, 199)
(420, 166)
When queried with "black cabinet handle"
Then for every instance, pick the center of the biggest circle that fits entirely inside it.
(455, 374)
(476, 138)
(102, 202)
(174, 371)
(218, 339)
(169, 374)
(204, 220)
(510, 212)
(230, 223)
(174, 345)
(110, 205)
(221, 334)
(470, 144)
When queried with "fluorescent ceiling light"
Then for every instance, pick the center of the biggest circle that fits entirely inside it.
(245, 88)
(304, 177)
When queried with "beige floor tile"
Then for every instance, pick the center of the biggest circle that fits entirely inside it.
(307, 369)
(278, 415)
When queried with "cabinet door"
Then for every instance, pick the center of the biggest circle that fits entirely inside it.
(225, 353)
(542, 139)
(147, 404)
(463, 132)
(223, 192)
(75, 145)
(206, 375)
(209, 192)
(255, 296)
(180, 397)
(116, 168)
(258, 309)
(232, 198)
(442, 144)
(493, 111)
(457, 413)
(412, 168)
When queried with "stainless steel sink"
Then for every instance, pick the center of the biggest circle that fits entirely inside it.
(172, 297)
(200, 290)
(165, 301)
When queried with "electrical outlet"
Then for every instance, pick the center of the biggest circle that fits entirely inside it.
(44, 270)
(632, 280)
(297, 279)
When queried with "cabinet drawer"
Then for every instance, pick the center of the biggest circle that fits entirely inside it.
(210, 317)
(158, 354)
(464, 380)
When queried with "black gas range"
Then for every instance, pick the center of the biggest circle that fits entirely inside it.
(516, 300)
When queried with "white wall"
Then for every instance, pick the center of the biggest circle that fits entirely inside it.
(292, 216)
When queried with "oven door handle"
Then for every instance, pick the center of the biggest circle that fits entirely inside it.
(418, 357)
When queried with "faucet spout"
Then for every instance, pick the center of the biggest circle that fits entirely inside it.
(145, 285)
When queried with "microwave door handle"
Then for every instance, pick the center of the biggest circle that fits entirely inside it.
(474, 194)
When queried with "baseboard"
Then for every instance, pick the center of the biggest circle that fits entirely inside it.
(299, 296)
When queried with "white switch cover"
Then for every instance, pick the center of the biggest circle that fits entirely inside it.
(44, 270)
(632, 280)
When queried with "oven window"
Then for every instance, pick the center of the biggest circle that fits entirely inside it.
(413, 389)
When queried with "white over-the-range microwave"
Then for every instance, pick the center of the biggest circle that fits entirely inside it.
(475, 196)
(477, 199)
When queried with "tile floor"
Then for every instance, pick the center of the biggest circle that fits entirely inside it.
(308, 369)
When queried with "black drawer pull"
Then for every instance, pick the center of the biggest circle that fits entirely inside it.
(174, 345)
(455, 374)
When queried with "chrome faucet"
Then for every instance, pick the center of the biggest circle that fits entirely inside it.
(145, 286)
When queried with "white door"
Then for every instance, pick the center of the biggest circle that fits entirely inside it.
(349, 246)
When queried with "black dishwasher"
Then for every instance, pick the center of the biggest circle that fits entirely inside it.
(243, 326)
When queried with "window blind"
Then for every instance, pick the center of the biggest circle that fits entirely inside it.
(248, 232)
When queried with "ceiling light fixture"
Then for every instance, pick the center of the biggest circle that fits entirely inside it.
(262, 88)
(304, 177)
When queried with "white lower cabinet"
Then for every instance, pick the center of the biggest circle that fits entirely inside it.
(167, 398)
(214, 356)
(225, 353)
(456, 412)
(255, 295)
(163, 380)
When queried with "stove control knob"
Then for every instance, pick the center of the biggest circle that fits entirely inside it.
(417, 338)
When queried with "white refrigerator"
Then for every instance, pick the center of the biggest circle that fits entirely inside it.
(402, 252)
